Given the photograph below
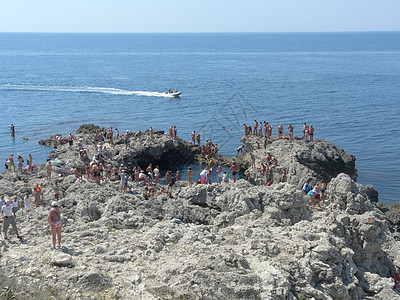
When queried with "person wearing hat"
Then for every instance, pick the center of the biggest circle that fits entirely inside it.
(8, 214)
(54, 218)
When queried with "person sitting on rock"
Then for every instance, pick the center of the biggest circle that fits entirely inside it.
(248, 176)
(269, 182)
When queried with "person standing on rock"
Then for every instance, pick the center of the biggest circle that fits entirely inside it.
(30, 165)
(124, 183)
(37, 194)
(167, 177)
(20, 162)
(16, 205)
(126, 139)
(193, 138)
(54, 219)
(11, 165)
(253, 160)
(172, 182)
(175, 132)
(56, 190)
(149, 171)
(27, 200)
(265, 143)
(280, 131)
(255, 127)
(190, 176)
(311, 133)
(290, 128)
(70, 140)
(234, 170)
(283, 177)
(8, 214)
(323, 188)
(198, 138)
(156, 174)
(151, 130)
(48, 168)
(219, 172)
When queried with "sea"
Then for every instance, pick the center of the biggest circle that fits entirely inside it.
(347, 85)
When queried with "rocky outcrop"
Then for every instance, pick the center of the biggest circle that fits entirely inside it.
(314, 161)
(207, 241)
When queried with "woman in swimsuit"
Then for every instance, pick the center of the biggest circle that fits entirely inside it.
(54, 219)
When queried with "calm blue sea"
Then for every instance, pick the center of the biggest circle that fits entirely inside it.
(345, 84)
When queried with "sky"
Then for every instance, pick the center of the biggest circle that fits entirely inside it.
(199, 16)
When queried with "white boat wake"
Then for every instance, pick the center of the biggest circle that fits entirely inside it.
(81, 89)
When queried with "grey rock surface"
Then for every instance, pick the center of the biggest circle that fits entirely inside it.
(234, 240)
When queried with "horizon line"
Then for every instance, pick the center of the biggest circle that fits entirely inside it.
(194, 32)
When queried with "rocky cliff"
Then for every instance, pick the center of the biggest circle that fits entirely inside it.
(230, 241)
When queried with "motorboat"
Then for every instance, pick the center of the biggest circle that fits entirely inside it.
(173, 93)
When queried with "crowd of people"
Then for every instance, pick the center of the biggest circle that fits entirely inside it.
(97, 170)
(264, 129)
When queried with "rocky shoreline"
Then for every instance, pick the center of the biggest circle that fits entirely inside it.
(234, 240)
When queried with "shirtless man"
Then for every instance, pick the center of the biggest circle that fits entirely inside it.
(261, 128)
(239, 150)
(219, 172)
(190, 176)
(304, 130)
(255, 127)
(245, 130)
(167, 177)
(234, 170)
(48, 168)
(257, 145)
(253, 160)
(290, 128)
(110, 135)
(175, 132)
(265, 143)
(311, 133)
(280, 131)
